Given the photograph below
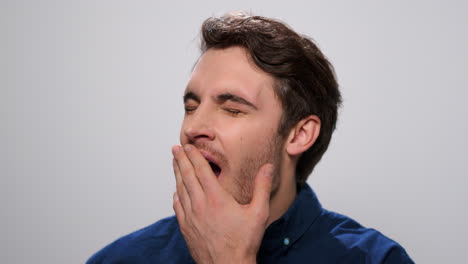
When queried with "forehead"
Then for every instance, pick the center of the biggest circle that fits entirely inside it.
(230, 70)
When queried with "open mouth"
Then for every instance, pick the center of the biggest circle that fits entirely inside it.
(215, 168)
(213, 161)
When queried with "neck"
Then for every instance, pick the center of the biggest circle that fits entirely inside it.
(285, 193)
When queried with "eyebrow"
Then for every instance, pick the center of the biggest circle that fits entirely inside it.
(220, 99)
(191, 96)
(234, 98)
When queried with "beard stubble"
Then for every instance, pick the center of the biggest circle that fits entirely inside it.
(245, 182)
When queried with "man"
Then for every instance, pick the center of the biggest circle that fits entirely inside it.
(260, 109)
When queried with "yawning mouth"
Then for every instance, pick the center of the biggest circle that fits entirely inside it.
(216, 169)
(215, 162)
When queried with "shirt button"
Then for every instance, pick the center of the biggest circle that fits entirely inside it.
(286, 241)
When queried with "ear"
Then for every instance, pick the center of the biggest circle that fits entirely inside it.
(303, 135)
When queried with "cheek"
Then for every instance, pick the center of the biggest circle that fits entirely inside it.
(250, 141)
(256, 135)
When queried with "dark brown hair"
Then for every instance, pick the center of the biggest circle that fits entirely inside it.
(306, 83)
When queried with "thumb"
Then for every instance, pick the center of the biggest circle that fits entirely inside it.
(262, 187)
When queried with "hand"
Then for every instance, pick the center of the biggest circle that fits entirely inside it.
(216, 228)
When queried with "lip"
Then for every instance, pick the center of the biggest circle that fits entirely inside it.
(211, 158)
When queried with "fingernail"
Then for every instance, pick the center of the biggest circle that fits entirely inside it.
(176, 197)
(175, 149)
(188, 148)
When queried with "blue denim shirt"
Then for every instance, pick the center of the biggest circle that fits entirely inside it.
(306, 233)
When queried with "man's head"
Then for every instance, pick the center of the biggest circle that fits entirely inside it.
(255, 83)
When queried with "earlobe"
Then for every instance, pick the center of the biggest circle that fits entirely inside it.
(303, 135)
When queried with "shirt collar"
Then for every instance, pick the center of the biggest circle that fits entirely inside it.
(295, 222)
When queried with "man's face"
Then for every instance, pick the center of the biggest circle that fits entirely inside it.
(232, 117)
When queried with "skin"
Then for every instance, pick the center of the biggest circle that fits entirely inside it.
(231, 118)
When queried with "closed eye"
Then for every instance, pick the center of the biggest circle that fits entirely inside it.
(189, 109)
(232, 111)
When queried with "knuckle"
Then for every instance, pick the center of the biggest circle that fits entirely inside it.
(197, 208)
(216, 202)
(175, 204)
(260, 214)
(199, 171)
(183, 229)
(185, 170)
(188, 223)
(199, 164)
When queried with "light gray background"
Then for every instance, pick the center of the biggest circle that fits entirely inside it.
(91, 103)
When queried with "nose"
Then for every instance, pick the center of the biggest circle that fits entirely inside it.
(198, 127)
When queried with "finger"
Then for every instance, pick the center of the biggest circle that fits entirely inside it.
(187, 173)
(203, 171)
(178, 209)
(262, 187)
(183, 196)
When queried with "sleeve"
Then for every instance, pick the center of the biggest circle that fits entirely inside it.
(397, 255)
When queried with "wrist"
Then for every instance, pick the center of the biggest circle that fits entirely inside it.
(237, 260)
(248, 260)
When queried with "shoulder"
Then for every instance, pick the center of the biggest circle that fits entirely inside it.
(154, 242)
(352, 241)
